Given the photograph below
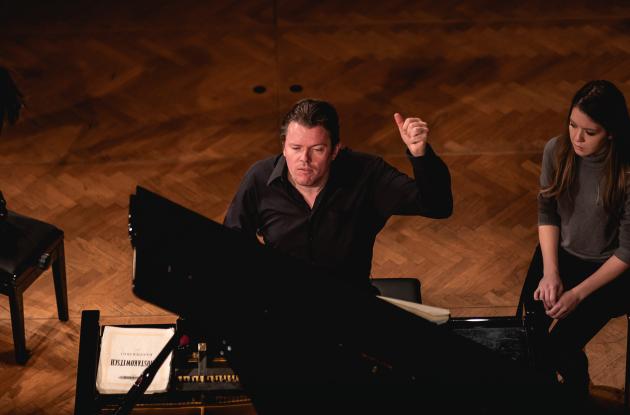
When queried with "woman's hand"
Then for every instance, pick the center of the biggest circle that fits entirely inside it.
(549, 290)
(565, 305)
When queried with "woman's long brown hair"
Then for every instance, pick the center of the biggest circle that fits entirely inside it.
(605, 104)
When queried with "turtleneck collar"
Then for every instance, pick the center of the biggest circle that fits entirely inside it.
(595, 160)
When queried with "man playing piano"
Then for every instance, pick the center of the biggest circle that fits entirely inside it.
(324, 203)
(298, 350)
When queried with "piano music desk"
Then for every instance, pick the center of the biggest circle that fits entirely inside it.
(194, 400)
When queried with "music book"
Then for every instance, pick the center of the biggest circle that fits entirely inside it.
(126, 352)
(435, 315)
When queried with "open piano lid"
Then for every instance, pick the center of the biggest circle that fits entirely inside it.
(301, 340)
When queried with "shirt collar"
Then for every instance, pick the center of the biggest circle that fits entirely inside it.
(339, 174)
(278, 171)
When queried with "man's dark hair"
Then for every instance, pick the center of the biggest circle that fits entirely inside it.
(312, 113)
(10, 98)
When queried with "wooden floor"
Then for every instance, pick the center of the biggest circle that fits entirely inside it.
(160, 94)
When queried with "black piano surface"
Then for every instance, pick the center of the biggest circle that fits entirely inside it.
(506, 336)
(302, 341)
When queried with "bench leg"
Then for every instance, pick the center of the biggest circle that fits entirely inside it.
(17, 324)
(61, 289)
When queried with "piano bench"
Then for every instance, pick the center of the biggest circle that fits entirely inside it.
(28, 247)
(407, 289)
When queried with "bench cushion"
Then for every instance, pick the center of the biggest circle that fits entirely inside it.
(22, 242)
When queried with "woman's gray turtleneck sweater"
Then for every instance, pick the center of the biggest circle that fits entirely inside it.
(586, 229)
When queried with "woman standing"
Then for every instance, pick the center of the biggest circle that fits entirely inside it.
(579, 274)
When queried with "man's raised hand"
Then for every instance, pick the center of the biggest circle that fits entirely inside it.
(414, 132)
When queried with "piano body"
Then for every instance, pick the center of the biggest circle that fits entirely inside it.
(300, 348)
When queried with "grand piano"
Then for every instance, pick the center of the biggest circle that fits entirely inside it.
(302, 341)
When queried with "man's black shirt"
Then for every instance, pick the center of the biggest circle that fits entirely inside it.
(339, 232)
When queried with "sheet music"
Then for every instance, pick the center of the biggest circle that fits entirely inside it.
(434, 314)
(126, 352)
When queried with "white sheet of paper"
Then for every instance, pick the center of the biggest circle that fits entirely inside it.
(434, 314)
(126, 352)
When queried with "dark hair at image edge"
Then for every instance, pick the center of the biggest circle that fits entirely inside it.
(605, 104)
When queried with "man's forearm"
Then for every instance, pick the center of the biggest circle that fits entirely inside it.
(434, 182)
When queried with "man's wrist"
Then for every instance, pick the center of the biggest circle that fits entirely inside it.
(427, 151)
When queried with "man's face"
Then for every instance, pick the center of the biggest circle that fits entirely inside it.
(308, 153)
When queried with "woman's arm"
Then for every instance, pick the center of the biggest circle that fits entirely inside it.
(550, 286)
(609, 270)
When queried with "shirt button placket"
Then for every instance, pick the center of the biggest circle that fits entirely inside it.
(310, 239)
